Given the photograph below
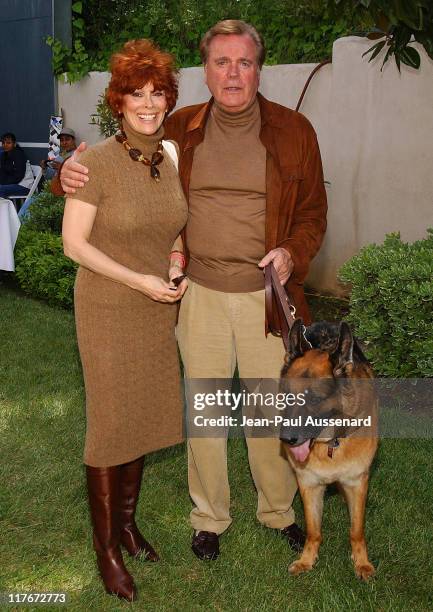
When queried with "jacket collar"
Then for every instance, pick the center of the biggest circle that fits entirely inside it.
(198, 121)
(268, 115)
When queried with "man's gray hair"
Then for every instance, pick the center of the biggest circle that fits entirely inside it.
(233, 26)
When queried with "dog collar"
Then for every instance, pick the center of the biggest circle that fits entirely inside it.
(332, 445)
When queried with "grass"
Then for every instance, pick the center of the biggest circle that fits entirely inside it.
(45, 538)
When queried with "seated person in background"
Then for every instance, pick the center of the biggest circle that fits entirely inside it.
(14, 181)
(67, 147)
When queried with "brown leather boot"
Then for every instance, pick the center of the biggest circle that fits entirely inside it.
(103, 490)
(130, 537)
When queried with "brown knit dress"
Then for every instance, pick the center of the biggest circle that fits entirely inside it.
(126, 340)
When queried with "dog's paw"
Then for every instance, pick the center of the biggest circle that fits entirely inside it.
(299, 567)
(365, 571)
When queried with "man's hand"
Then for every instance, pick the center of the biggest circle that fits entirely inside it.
(283, 263)
(73, 174)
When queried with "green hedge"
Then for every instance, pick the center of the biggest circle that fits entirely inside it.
(391, 304)
(46, 212)
(293, 31)
(42, 269)
(40, 266)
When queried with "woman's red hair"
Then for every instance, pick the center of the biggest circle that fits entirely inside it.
(140, 62)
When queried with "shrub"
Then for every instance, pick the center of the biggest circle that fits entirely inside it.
(293, 31)
(392, 304)
(46, 212)
(42, 269)
(104, 119)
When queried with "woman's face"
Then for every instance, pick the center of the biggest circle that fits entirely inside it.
(144, 109)
(8, 144)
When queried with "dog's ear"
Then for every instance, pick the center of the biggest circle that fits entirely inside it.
(297, 341)
(342, 355)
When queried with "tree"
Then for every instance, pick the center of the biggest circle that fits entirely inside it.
(399, 22)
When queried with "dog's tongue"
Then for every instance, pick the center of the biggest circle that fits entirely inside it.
(302, 451)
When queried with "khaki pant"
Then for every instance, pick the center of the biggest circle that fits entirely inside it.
(216, 330)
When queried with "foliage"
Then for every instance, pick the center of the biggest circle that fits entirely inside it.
(75, 63)
(104, 119)
(293, 31)
(392, 304)
(42, 269)
(46, 212)
(397, 21)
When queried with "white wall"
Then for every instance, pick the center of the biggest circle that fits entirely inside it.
(378, 154)
(375, 133)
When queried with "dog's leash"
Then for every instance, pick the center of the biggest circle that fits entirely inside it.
(275, 292)
(286, 311)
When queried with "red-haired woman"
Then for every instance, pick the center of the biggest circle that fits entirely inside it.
(122, 227)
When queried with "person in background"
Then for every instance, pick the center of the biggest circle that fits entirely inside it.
(51, 167)
(67, 147)
(14, 180)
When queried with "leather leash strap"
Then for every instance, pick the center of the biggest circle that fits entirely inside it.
(276, 294)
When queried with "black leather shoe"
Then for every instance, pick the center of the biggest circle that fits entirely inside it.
(205, 545)
(294, 536)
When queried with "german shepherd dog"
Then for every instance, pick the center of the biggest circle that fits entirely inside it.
(328, 355)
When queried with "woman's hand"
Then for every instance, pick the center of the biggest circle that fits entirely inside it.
(174, 272)
(158, 289)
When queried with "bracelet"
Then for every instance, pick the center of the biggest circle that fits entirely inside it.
(178, 256)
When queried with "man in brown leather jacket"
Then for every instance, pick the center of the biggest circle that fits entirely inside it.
(252, 173)
(295, 217)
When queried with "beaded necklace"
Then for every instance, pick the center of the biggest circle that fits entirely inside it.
(137, 155)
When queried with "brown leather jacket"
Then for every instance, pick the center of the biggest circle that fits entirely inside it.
(295, 193)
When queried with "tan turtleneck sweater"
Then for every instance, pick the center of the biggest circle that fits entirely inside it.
(227, 200)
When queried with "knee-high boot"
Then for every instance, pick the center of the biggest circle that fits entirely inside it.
(103, 490)
(130, 537)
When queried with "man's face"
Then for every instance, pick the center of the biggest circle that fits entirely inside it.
(232, 72)
(67, 143)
